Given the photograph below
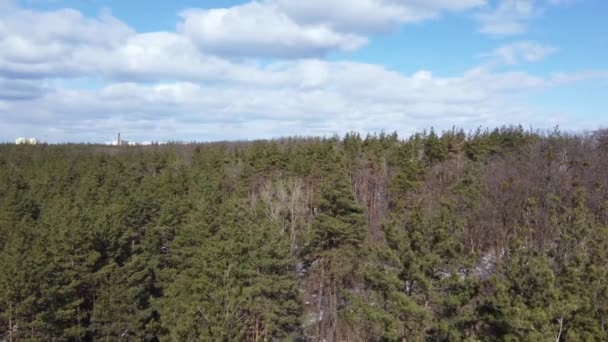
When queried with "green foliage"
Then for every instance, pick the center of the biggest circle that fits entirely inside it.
(496, 235)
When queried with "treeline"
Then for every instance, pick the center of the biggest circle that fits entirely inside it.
(487, 236)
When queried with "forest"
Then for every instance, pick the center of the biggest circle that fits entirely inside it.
(488, 235)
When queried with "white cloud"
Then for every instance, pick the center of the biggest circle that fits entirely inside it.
(38, 44)
(370, 16)
(339, 97)
(291, 29)
(524, 51)
(256, 29)
(19, 90)
(565, 78)
(64, 44)
(269, 28)
(509, 17)
(308, 97)
(6, 4)
(66, 26)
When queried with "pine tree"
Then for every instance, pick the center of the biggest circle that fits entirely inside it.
(339, 232)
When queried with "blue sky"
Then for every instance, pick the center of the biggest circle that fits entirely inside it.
(80, 71)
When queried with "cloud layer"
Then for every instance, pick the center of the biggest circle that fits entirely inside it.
(250, 71)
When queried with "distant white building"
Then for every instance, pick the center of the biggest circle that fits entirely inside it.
(121, 142)
(118, 142)
(26, 141)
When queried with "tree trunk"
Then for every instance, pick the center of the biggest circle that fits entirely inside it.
(334, 311)
(10, 322)
(561, 327)
(320, 308)
(257, 330)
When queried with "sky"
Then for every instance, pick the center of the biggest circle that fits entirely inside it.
(184, 70)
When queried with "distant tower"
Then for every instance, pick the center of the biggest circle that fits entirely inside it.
(118, 141)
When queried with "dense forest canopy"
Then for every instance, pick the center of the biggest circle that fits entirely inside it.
(487, 236)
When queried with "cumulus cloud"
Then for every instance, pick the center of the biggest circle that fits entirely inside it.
(37, 44)
(256, 29)
(65, 44)
(269, 28)
(288, 29)
(65, 26)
